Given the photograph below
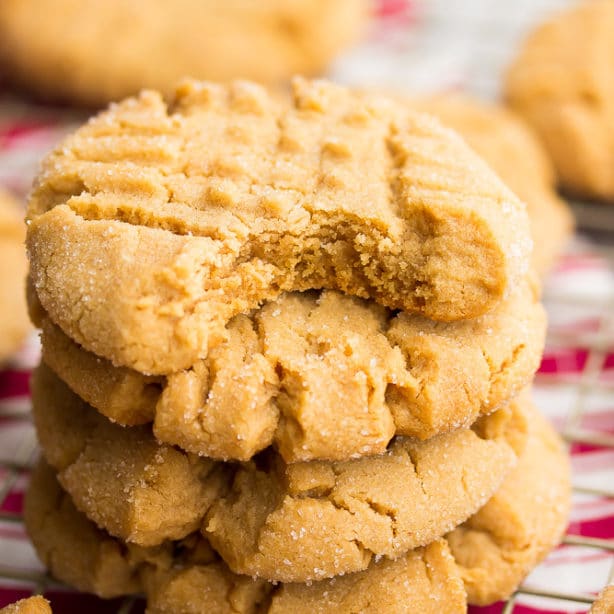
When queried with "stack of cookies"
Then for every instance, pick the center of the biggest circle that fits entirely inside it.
(286, 346)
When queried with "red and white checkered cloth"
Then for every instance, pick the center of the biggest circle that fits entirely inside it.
(420, 45)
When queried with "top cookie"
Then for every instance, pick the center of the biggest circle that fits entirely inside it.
(154, 224)
(516, 155)
(562, 83)
(91, 53)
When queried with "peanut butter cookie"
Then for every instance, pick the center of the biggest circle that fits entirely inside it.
(31, 605)
(71, 546)
(514, 152)
(424, 580)
(385, 374)
(14, 325)
(281, 522)
(156, 223)
(561, 82)
(60, 50)
(121, 478)
(309, 521)
(181, 576)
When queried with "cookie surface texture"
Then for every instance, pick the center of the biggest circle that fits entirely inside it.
(70, 545)
(31, 605)
(179, 576)
(385, 374)
(145, 492)
(333, 189)
(183, 576)
(56, 48)
(516, 154)
(561, 83)
(14, 325)
(309, 521)
(121, 478)
(423, 580)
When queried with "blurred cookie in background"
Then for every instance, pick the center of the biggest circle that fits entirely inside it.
(515, 153)
(561, 82)
(92, 52)
(14, 324)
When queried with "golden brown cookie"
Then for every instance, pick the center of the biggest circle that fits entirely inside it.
(514, 152)
(309, 521)
(13, 265)
(497, 547)
(181, 577)
(59, 49)
(31, 605)
(604, 604)
(523, 521)
(122, 479)
(156, 223)
(282, 522)
(561, 82)
(70, 545)
(385, 374)
(424, 580)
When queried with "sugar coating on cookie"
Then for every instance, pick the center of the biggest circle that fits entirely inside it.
(527, 517)
(385, 374)
(122, 479)
(182, 575)
(56, 48)
(14, 325)
(561, 83)
(145, 492)
(225, 197)
(70, 545)
(31, 605)
(309, 521)
(515, 153)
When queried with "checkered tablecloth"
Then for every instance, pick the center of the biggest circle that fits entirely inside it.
(418, 46)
